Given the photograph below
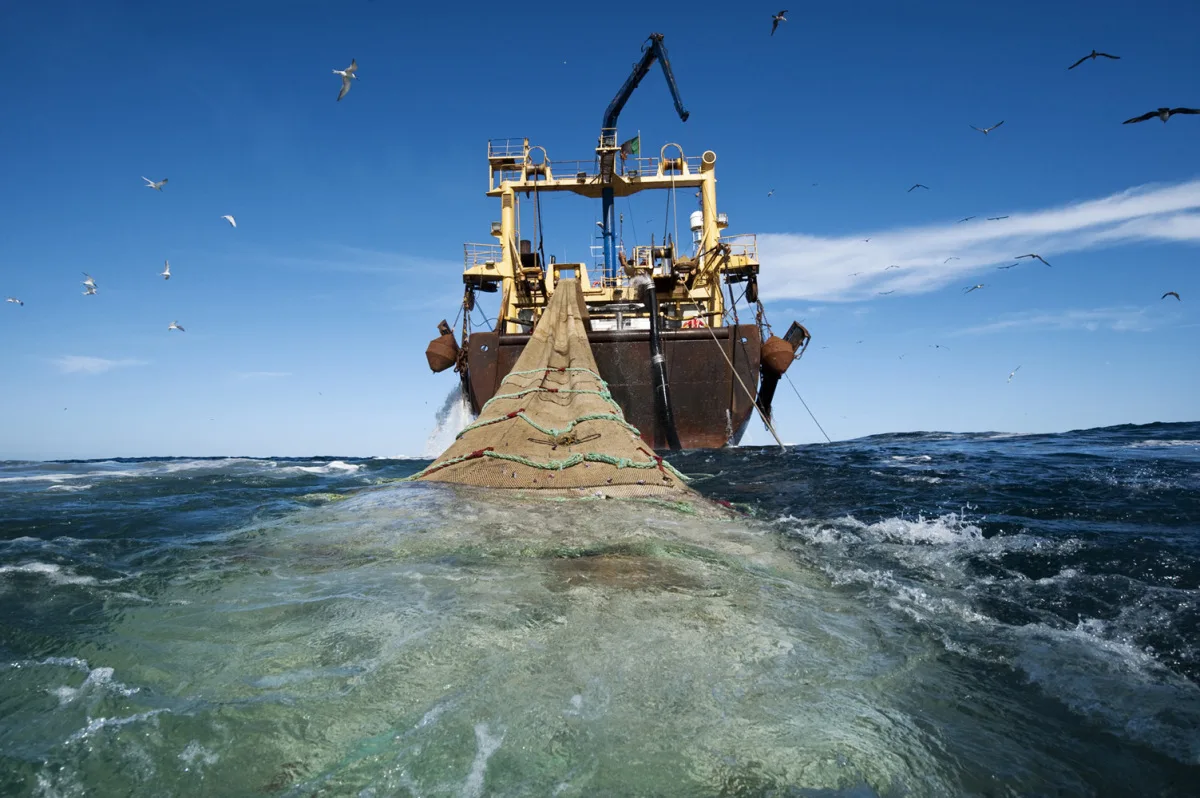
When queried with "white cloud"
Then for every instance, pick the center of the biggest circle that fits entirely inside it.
(1124, 319)
(85, 364)
(819, 268)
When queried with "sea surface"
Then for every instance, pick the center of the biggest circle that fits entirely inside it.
(902, 615)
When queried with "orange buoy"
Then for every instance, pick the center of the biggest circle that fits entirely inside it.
(442, 352)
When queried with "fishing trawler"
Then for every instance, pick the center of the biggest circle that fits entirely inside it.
(687, 371)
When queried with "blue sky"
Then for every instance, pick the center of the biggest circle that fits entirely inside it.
(306, 325)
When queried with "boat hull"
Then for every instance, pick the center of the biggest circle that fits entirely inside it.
(710, 405)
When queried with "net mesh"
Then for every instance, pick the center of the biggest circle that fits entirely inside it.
(553, 425)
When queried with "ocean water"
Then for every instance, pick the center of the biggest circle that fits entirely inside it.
(903, 615)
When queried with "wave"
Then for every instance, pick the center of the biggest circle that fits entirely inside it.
(55, 573)
(329, 468)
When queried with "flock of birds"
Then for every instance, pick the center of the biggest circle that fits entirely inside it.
(90, 286)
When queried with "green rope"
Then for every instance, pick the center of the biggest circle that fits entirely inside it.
(552, 371)
(553, 433)
(605, 395)
(558, 465)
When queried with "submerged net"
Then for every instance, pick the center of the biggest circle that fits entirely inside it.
(553, 425)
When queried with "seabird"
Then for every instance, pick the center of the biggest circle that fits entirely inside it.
(866, 240)
(769, 193)
(1094, 55)
(175, 326)
(156, 186)
(855, 274)
(965, 219)
(939, 346)
(893, 266)
(885, 293)
(347, 74)
(1013, 373)
(947, 260)
(89, 282)
(919, 185)
(976, 287)
(229, 219)
(16, 301)
(166, 272)
(1009, 266)
(1162, 113)
(775, 20)
(986, 130)
(89, 291)
(1032, 255)
(996, 218)
(1164, 296)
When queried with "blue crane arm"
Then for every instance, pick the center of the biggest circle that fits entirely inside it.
(655, 50)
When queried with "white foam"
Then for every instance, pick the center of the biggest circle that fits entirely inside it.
(948, 529)
(454, 415)
(1162, 444)
(328, 468)
(486, 746)
(97, 724)
(194, 752)
(56, 478)
(54, 573)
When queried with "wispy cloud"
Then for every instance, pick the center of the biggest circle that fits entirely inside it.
(819, 268)
(85, 364)
(262, 375)
(1123, 319)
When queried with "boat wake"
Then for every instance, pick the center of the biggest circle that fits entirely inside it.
(454, 415)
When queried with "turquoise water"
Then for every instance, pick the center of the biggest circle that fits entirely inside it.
(903, 615)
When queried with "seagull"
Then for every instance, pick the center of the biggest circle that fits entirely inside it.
(885, 293)
(1013, 373)
(18, 302)
(90, 291)
(1032, 255)
(919, 185)
(1094, 55)
(89, 282)
(1162, 113)
(986, 130)
(939, 346)
(229, 219)
(947, 260)
(965, 219)
(855, 274)
(175, 326)
(893, 266)
(347, 74)
(775, 20)
(166, 272)
(969, 289)
(1164, 296)
(996, 218)
(1009, 266)
(769, 193)
(866, 240)
(156, 186)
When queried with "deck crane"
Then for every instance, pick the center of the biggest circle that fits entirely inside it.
(609, 146)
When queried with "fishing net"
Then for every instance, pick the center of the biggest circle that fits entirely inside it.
(553, 425)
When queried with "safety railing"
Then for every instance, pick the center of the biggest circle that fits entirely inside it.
(482, 254)
(506, 148)
(744, 244)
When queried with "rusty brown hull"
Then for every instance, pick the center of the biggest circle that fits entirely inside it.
(711, 407)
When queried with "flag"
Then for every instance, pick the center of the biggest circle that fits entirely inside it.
(631, 147)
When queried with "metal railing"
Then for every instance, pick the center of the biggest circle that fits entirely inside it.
(481, 254)
(744, 244)
(506, 148)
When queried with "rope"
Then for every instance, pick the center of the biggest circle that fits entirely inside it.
(605, 395)
(550, 431)
(810, 413)
(557, 465)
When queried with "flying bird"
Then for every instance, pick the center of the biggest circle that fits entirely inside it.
(156, 186)
(1032, 255)
(1013, 373)
(996, 218)
(89, 282)
(893, 266)
(166, 272)
(885, 293)
(775, 20)
(1164, 296)
(1162, 113)
(971, 288)
(229, 219)
(919, 185)
(1094, 55)
(347, 74)
(1009, 266)
(16, 301)
(939, 346)
(855, 274)
(175, 326)
(965, 219)
(89, 291)
(947, 260)
(986, 130)
(769, 193)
